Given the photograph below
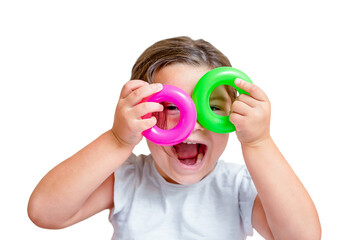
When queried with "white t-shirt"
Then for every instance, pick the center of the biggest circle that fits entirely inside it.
(148, 207)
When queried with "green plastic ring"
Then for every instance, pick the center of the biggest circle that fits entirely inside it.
(201, 96)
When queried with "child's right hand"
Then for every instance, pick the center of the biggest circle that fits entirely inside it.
(128, 124)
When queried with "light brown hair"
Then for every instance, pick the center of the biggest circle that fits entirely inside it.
(179, 50)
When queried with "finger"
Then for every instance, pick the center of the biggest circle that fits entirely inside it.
(131, 86)
(252, 89)
(146, 91)
(145, 108)
(241, 108)
(237, 120)
(248, 100)
(144, 124)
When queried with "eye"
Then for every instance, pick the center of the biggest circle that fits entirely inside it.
(221, 111)
(215, 108)
(171, 107)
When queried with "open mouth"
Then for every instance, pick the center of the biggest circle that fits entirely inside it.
(190, 153)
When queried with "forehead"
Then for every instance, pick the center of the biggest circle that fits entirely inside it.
(185, 76)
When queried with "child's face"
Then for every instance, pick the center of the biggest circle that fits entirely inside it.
(189, 163)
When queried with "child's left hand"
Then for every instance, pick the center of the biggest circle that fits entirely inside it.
(251, 114)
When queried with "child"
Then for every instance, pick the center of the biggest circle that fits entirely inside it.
(181, 191)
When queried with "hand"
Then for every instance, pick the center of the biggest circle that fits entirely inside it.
(251, 114)
(128, 124)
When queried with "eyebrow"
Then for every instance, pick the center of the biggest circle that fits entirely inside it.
(220, 97)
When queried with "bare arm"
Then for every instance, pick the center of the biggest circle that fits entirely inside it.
(82, 185)
(289, 210)
(283, 209)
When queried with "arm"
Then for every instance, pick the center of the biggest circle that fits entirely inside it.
(66, 194)
(283, 209)
(82, 185)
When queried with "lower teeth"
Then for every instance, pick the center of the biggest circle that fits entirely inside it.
(200, 157)
(193, 161)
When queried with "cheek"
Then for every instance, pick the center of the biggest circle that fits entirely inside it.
(172, 121)
(160, 153)
(220, 141)
(155, 149)
(166, 121)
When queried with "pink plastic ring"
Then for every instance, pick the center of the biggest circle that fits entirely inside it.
(186, 122)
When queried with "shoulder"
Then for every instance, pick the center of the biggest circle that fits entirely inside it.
(135, 160)
(235, 176)
(131, 167)
(231, 167)
(232, 171)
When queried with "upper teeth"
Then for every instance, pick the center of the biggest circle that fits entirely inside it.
(190, 142)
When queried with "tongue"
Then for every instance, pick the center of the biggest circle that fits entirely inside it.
(186, 151)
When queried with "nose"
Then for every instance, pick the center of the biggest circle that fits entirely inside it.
(198, 127)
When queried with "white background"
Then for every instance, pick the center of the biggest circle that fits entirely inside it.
(63, 63)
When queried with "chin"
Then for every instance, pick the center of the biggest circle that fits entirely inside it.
(184, 163)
